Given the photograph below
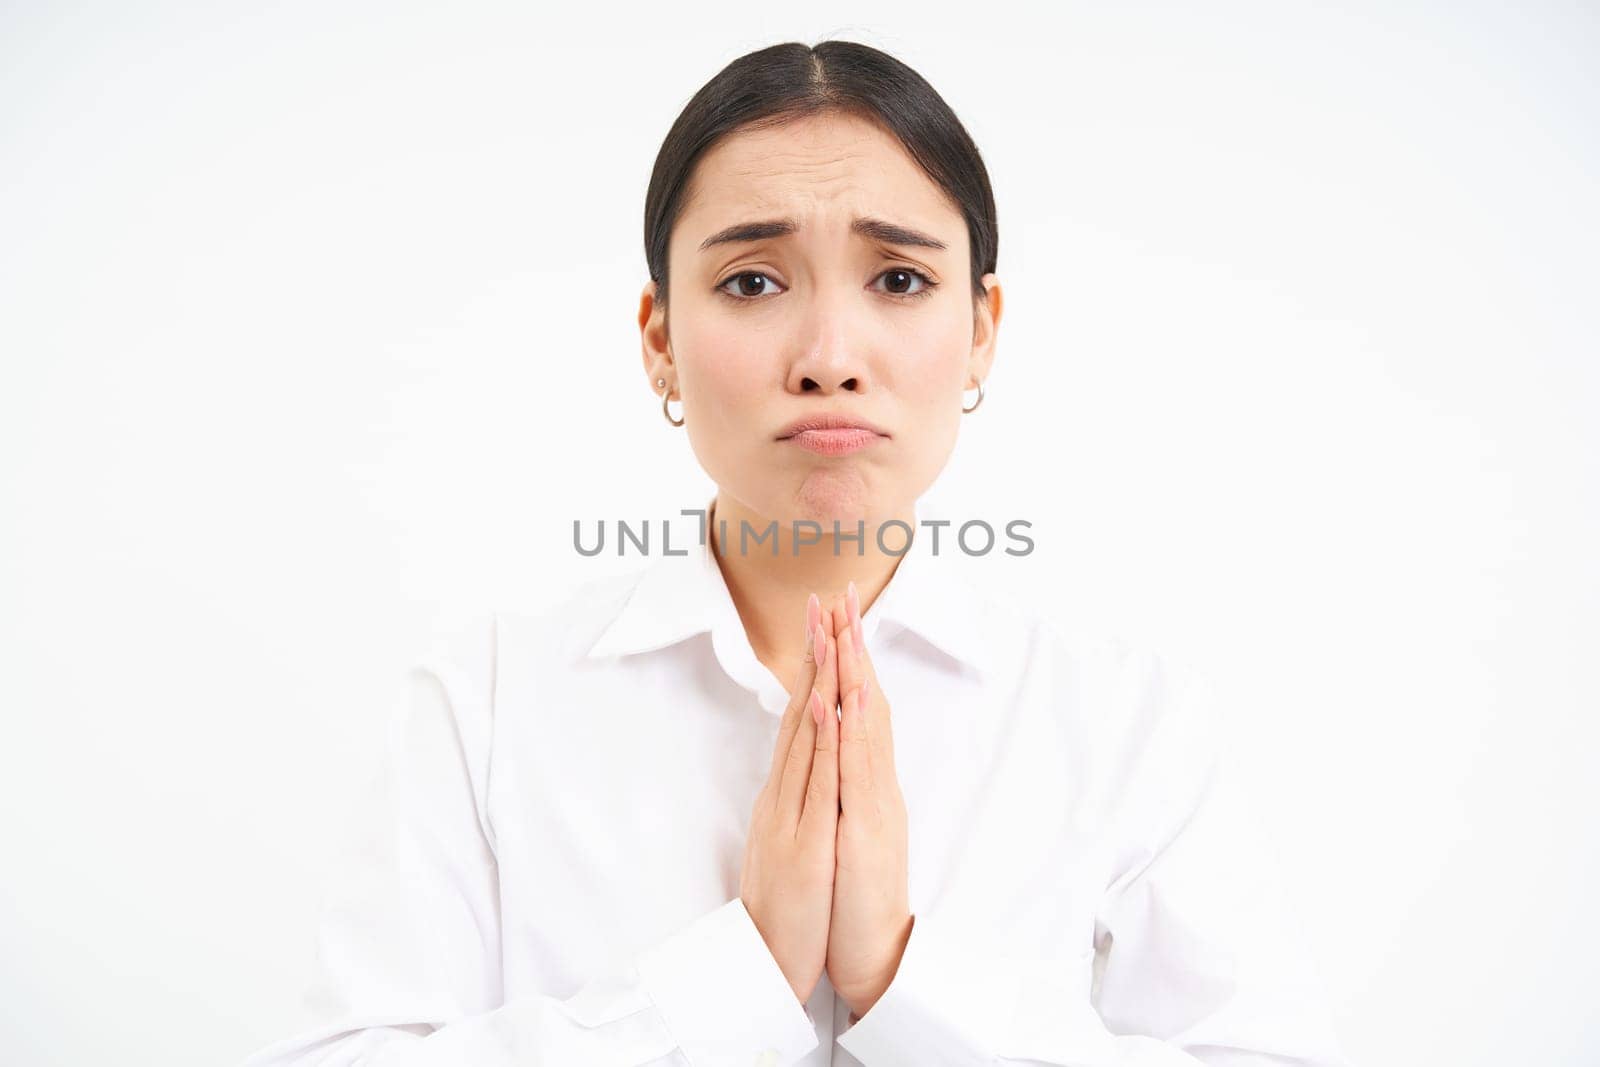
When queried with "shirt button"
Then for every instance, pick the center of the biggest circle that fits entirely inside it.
(769, 1058)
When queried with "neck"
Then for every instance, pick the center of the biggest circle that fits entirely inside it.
(770, 590)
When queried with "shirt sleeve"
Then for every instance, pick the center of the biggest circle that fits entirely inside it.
(409, 970)
(1199, 959)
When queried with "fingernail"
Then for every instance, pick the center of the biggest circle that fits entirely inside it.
(821, 644)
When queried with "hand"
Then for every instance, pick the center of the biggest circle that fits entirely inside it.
(786, 882)
(871, 920)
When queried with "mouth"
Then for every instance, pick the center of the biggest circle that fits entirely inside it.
(832, 435)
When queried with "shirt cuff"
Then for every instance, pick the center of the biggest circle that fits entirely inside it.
(947, 1006)
(723, 996)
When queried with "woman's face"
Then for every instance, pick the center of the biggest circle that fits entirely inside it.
(845, 308)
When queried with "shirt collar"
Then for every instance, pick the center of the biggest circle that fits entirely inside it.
(681, 595)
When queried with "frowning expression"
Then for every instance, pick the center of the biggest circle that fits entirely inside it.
(819, 276)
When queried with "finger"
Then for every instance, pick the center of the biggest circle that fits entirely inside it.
(797, 766)
(854, 668)
(853, 605)
(806, 677)
(850, 666)
(820, 818)
(828, 668)
(855, 759)
(792, 789)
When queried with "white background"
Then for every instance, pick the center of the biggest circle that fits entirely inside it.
(317, 332)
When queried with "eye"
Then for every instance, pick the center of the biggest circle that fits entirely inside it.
(905, 282)
(750, 284)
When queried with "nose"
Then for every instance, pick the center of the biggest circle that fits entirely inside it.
(829, 356)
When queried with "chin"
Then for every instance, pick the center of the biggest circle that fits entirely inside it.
(835, 494)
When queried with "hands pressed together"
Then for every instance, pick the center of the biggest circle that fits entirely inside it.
(825, 872)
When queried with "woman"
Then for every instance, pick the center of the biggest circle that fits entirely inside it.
(820, 802)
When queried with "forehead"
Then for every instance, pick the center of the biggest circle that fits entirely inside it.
(825, 167)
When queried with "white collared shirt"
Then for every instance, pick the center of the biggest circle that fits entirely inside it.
(548, 871)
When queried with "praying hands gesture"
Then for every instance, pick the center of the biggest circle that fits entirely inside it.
(825, 868)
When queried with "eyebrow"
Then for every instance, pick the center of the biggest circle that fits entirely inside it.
(878, 229)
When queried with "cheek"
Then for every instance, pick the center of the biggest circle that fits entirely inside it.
(721, 363)
(933, 370)
(727, 381)
(931, 362)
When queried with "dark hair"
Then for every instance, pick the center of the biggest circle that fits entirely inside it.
(772, 85)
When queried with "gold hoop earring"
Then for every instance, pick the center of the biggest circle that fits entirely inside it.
(661, 383)
(966, 410)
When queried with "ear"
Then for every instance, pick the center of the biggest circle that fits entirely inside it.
(654, 345)
(985, 328)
